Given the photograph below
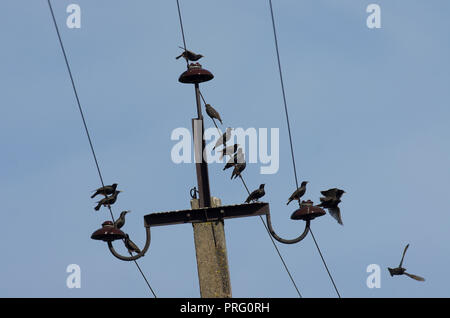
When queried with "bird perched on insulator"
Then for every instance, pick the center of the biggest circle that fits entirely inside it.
(120, 222)
(238, 168)
(256, 195)
(224, 138)
(331, 202)
(214, 114)
(108, 200)
(105, 190)
(189, 55)
(229, 151)
(129, 244)
(238, 157)
(402, 271)
(298, 193)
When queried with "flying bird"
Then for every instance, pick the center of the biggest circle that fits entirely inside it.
(106, 190)
(256, 195)
(330, 201)
(213, 113)
(120, 222)
(129, 244)
(108, 200)
(189, 55)
(402, 271)
(224, 138)
(298, 193)
(229, 151)
(238, 157)
(238, 168)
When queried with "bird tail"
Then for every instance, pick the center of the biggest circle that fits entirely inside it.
(289, 202)
(391, 271)
(420, 279)
(179, 56)
(93, 196)
(97, 207)
(221, 121)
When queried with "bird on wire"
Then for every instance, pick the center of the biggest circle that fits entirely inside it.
(214, 114)
(402, 271)
(238, 168)
(298, 193)
(120, 222)
(129, 244)
(224, 138)
(189, 55)
(106, 190)
(229, 151)
(331, 201)
(256, 195)
(238, 157)
(108, 201)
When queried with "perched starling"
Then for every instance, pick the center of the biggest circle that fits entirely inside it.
(189, 56)
(238, 168)
(224, 138)
(213, 113)
(129, 244)
(121, 220)
(256, 195)
(239, 157)
(402, 271)
(298, 193)
(331, 201)
(106, 190)
(229, 151)
(108, 200)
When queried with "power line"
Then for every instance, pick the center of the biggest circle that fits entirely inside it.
(290, 136)
(85, 125)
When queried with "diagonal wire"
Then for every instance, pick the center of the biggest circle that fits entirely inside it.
(85, 125)
(182, 30)
(290, 136)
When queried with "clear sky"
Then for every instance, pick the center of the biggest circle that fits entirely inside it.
(369, 112)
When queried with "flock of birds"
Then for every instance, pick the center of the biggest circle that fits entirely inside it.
(330, 199)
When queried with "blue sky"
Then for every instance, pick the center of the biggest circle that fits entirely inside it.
(369, 113)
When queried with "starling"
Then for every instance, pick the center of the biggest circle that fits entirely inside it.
(120, 222)
(189, 56)
(238, 168)
(229, 151)
(330, 201)
(109, 189)
(298, 193)
(108, 200)
(213, 113)
(129, 244)
(402, 271)
(239, 157)
(256, 195)
(224, 138)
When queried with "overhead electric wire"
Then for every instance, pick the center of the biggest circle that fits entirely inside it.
(290, 135)
(85, 125)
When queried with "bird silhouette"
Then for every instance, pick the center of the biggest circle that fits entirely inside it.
(213, 113)
(120, 222)
(105, 190)
(129, 244)
(402, 271)
(108, 200)
(224, 138)
(229, 151)
(330, 201)
(298, 193)
(189, 55)
(238, 168)
(256, 195)
(238, 157)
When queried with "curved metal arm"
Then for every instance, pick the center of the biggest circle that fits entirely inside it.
(279, 239)
(135, 257)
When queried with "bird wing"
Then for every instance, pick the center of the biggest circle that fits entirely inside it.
(403, 256)
(336, 213)
(420, 279)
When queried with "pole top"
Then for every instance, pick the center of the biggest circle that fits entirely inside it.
(195, 74)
